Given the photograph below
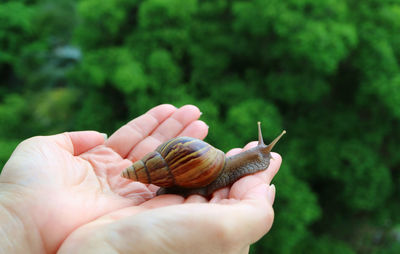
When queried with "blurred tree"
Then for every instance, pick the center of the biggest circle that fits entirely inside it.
(326, 71)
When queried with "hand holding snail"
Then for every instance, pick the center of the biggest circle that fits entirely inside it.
(64, 194)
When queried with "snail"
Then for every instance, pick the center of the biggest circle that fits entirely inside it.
(187, 166)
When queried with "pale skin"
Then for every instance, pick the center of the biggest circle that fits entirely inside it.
(64, 194)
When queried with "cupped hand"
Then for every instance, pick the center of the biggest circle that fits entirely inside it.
(67, 190)
(55, 184)
(233, 219)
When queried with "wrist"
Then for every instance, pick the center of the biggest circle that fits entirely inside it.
(18, 233)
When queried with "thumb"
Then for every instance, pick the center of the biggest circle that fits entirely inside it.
(78, 142)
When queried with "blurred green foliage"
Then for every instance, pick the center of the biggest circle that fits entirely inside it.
(326, 71)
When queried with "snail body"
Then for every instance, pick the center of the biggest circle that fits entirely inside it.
(186, 166)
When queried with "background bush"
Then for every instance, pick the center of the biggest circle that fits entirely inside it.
(326, 71)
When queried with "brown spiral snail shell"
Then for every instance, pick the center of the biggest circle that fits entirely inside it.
(186, 166)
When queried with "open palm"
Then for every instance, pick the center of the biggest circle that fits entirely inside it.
(68, 180)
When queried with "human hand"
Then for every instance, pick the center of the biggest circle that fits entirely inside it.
(233, 219)
(68, 180)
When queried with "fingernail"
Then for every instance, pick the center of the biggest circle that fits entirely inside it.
(201, 113)
(105, 136)
(271, 193)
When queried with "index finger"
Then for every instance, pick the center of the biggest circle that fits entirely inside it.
(126, 137)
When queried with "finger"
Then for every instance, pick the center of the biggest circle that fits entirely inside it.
(250, 145)
(81, 141)
(220, 194)
(129, 135)
(238, 150)
(231, 227)
(177, 122)
(196, 199)
(170, 128)
(258, 206)
(259, 198)
(275, 164)
(243, 185)
(153, 188)
(234, 151)
(240, 222)
(271, 194)
(197, 129)
(245, 250)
